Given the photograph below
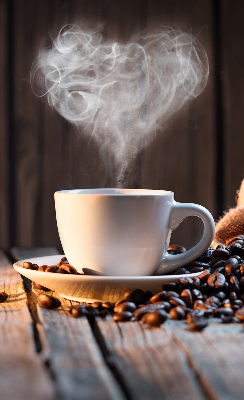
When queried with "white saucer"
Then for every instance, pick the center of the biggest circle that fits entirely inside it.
(91, 288)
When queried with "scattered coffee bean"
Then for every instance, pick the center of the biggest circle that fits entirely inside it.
(125, 306)
(198, 324)
(155, 318)
(177, 313)
(240, 314)
(49, 301)
(3, 297)
(123, 316)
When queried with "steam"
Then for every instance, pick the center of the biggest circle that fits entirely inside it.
(116, 93)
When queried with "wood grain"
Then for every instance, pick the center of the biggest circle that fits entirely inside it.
(74, 356)
(22, 373)
(218, 353)
(4, 149)
(232, 30)
(149, 362)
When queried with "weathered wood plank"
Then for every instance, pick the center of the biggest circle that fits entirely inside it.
(4, 135)
(69, 347)
(149, 362)
(218, 353)
(232, 60)
(23, 376)
(74, 356)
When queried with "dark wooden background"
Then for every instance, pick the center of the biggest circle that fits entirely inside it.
(200, 156)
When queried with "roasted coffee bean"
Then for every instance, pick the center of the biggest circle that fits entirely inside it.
(139, 312)
(223, 311)
(194, 314)
(216, 261)
(177, 313)
(199, 264)
(207, 255)
(49, 301)
(221, 295)
(149, 294)
(42, 268)
(197, 303)
(235, 248)
(216, 280)
(171, 293)
(52, 268)
(126, 306)
(234, 284)
(242, 284)
(160, 296)
(172, 286)
(92, 311)
(182, 271)
(186, 282)
(231, 265)
(196, 295)
(214, 300)
(97, 304)
(108, 305)
(208, 310)
(226, 303)
(227, 319)
(175, 301)
(123, 316)
(155, 318)
(221, 252)
(186, 296)
(204, 288)
(240, 314)
(164, 305)
(29, 265)
(242, 269)
(238, 274)
(198, 324)
(236, 304)
(204, 276)
(103, 313)
(138, 296)
(67, 268)
(78, 311)
(3, 297)
(63, 261)
(176, 249)
(241, 297)
(232, 296)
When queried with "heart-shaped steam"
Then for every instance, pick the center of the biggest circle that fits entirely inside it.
(117, 91)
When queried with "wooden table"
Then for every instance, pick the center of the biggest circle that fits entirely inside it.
(47, 354)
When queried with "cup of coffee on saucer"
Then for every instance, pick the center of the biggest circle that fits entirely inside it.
(125, 232)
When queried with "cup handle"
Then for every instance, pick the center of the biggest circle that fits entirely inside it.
(179, 211)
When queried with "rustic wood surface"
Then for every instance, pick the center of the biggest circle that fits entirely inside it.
(99, 358)
(23, 375)
(232, 30)
(47, 153)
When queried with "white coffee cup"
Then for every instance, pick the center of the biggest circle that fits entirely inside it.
(125, 231)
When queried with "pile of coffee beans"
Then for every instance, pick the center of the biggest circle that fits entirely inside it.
(218, 291)
(63, 267)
